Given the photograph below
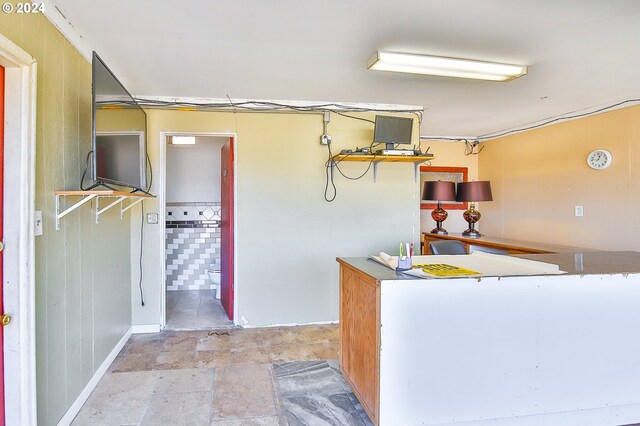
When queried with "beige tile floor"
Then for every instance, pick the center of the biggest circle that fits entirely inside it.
(195, 310)
(221, 377)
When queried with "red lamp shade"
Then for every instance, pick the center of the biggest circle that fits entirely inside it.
(439, 191)
(474, 191)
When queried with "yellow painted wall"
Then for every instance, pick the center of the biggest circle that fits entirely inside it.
(539, 176)
(288, 236)
(82, 271)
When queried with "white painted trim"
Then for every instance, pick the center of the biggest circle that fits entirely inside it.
(292, 324)
(54, 16)
(73, 411)
(148, 328)
(19, 257)
(161, 176)
(257, 104)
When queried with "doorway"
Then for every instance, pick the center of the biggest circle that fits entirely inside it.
(193, 243)
(18, 298)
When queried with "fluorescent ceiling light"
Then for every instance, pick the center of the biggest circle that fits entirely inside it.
(183, 140)
(447, 67)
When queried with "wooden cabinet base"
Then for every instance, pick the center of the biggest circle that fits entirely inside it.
(360, 336)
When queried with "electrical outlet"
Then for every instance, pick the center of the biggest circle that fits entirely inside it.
(38, 223)
(579, 211)
(325, 140)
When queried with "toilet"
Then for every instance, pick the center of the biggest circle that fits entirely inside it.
(214, 277)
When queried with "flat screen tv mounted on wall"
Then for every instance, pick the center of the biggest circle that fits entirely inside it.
(118, 132)
(392, 130)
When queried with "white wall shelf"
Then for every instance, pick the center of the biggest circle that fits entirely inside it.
(86, 196)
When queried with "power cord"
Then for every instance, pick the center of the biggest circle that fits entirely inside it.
(470, 147)
(141, 251)
(86, 167)
(330, 163)
(142, 228)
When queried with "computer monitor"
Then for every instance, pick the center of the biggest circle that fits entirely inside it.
(392, 130)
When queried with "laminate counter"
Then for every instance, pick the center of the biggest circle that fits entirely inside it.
(554, 349)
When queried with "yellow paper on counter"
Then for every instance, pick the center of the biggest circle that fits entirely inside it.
(445, 270)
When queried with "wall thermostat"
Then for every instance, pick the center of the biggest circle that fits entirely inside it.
(152, 218)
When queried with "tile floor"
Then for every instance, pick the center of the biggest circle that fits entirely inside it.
(195, 310)
(235, 377)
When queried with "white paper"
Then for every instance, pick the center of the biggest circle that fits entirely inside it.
(486, 264)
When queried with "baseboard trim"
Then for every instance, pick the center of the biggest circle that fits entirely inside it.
(73, 411)
(148, 328)
(290, 324)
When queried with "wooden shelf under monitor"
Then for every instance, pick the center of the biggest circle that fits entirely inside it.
(382, 158)
(416, 160)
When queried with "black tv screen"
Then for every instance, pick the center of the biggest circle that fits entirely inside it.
(119, 132)
(392, 130)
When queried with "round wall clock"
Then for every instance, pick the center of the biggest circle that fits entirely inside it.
(599, 159)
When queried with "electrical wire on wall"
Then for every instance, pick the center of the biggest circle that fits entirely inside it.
(472, 143)
(555, 120)
(84, 173)
(141, 251)
(148, 189)
(267, 106)
(332, 164)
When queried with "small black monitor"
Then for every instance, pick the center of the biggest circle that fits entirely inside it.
(392, 130)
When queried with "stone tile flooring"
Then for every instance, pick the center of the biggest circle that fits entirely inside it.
(195, 310)
(269, 376)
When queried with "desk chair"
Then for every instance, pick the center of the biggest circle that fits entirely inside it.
(447, 247)
(491, 250)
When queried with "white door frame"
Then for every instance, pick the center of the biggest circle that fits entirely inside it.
(162, 204)
(19, 255)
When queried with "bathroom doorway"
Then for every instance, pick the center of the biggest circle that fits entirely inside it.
(193, 235)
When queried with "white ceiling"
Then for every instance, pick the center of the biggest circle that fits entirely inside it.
(580, 53)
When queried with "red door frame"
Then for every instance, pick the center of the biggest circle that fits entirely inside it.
(227, 199)
(2, 408)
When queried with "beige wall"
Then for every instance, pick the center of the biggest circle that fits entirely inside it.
(287, 236)
(539, 176)
(82, 271)
(448, 154)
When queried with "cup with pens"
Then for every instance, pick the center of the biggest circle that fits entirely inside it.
(404, 259)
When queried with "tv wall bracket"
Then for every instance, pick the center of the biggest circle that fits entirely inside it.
(86, 196)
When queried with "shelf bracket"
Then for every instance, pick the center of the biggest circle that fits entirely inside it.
(133, 203)
(100, 211)
(60, 215)
(375, 171)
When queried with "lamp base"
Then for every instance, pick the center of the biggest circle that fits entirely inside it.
(471, 216)
(471, 233)
(439, 231)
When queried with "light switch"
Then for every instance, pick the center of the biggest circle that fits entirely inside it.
(152, 218)
(579, 211)
(38, 223)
